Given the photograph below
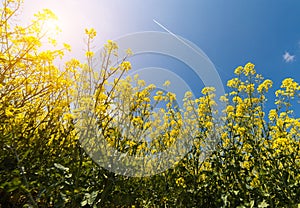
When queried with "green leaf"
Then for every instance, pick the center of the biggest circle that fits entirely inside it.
(61, 167)
(263, 204)
(252, 204)
(92, 197)
(84, 202)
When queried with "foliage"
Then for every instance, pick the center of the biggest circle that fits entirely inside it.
(255, 162)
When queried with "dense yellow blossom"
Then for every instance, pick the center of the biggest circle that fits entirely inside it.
(47, 113)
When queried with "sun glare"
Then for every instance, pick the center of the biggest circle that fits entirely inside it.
(52, 26)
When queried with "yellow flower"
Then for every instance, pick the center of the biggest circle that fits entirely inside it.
(207, 90)
(246, 165)
(147, 99)
(233, 83)
(229, 108)
(129, 52)
(111, 45)
(89, 54)
(126, 65)
(237, 99)
(272, 114)
(265, 86)
(91, 33)
(188, 95)
(238, 70)
(9, 112)
(67, 46)
(137, 121)
(68, 116)
(181, 182)
(167, 83)
(290, 87)
(255, 182)
(224, 99)
(249, 69)
(141, 83)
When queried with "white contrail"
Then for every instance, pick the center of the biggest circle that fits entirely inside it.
(178, 38)
(185, 43)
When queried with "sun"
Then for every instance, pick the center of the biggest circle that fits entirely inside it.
(52, 26)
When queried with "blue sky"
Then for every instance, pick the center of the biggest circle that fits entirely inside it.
(231, 32)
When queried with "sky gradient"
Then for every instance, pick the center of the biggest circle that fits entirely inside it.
(231, 33)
